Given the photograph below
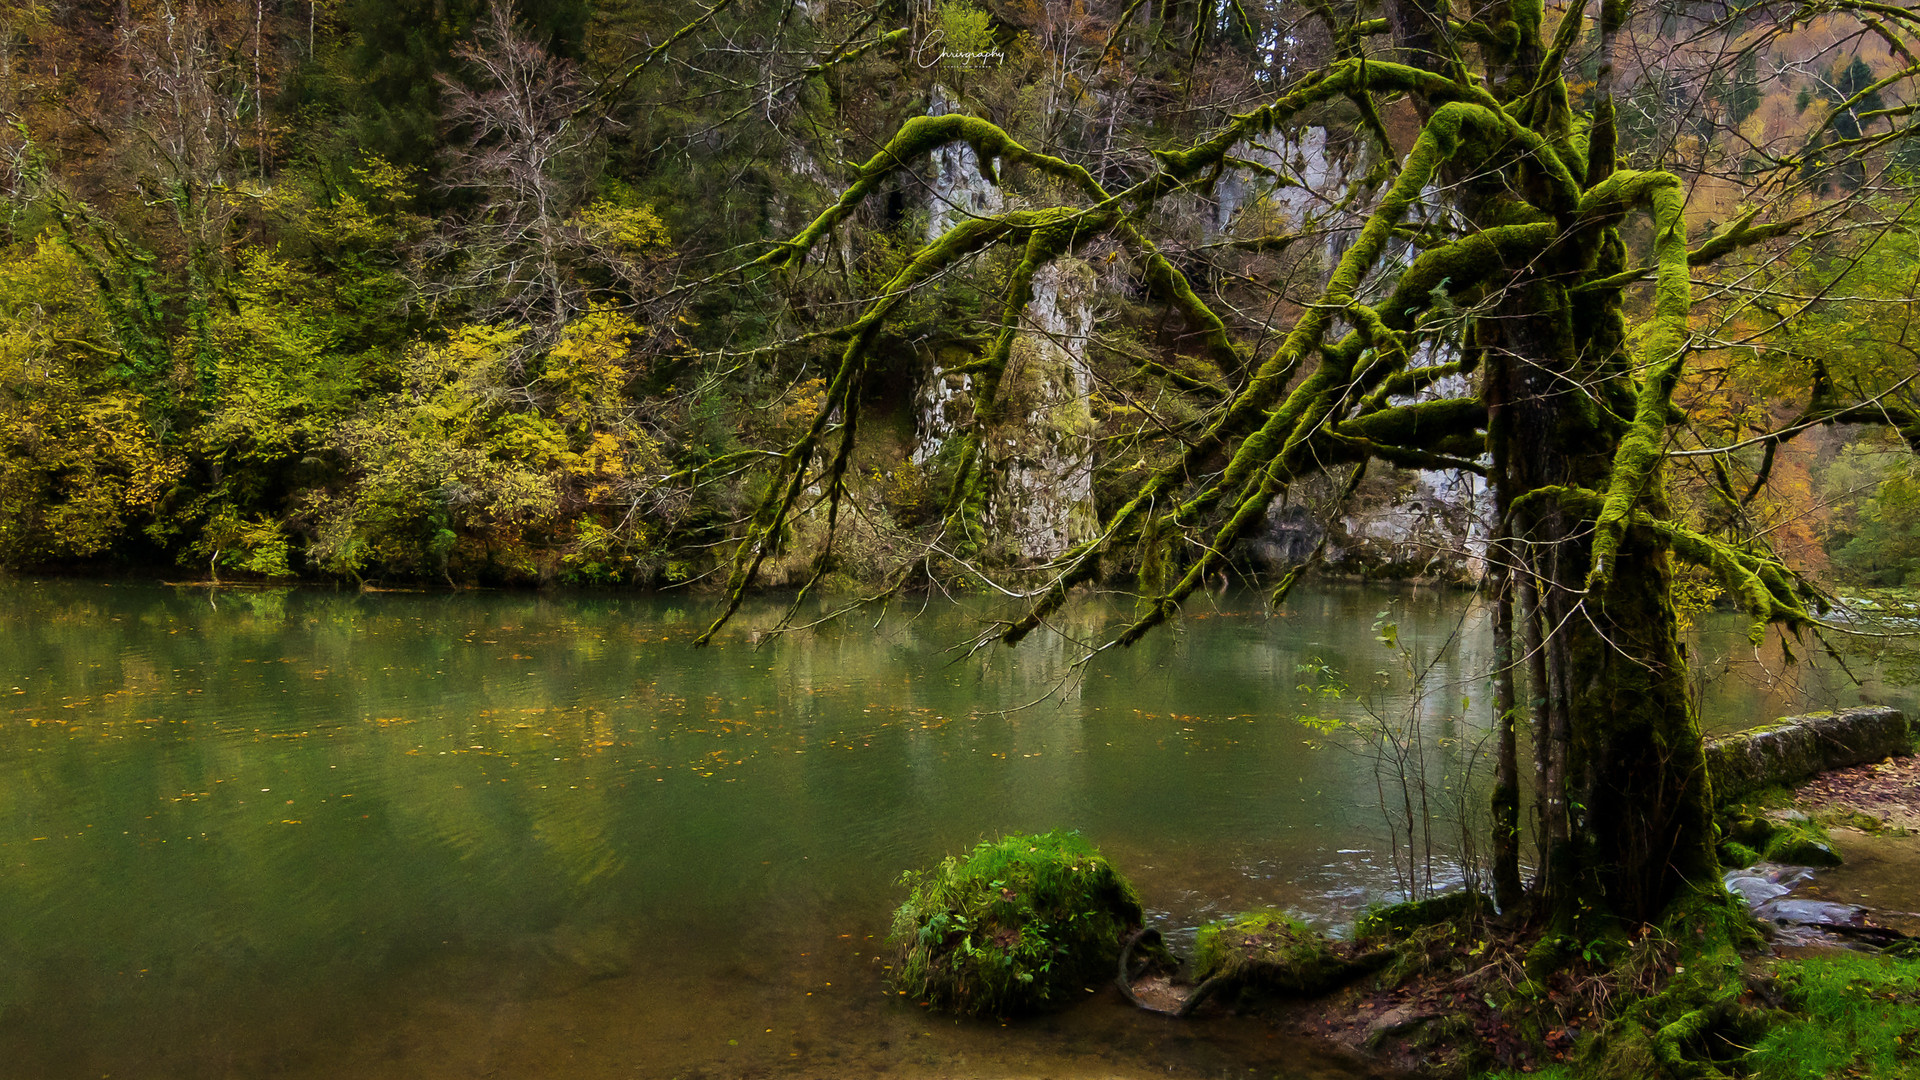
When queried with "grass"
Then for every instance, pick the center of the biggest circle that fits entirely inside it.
(1858, 1016)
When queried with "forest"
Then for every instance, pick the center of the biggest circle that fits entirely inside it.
(451, 292)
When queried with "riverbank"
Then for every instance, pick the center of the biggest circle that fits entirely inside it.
(1460, 1001)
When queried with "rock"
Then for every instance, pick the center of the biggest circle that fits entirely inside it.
(1778, 836)
(960, 187)
(1038, 460)
(1802, 746)
(1802, 850)
(1802, 911)
(1267, 950)
(1753, 888)
(1804, 920)
(1019, 925)
(1399, 920)
(1397, 1021)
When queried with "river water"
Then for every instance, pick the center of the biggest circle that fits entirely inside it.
(302, 833)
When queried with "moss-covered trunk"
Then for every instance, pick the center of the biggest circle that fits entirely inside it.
(1624, 809)
(1641, 828)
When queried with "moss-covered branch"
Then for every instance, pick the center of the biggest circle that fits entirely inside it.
(917, 138)
(1662, 353)
(1764, 586)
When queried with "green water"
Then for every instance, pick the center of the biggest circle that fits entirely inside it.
(306, 834)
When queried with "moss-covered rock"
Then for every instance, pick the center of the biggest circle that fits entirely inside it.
(1750, 834)
(1270, 951)
(1020, 925)
(1735, 854)
(1399, 920)
(1802, 844)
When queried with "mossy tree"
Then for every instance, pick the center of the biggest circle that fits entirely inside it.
(1530, 284)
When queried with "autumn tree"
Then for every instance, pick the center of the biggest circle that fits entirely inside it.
(1532, 334)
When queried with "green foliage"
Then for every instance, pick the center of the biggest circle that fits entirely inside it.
(1876, 540)
(1856, 1016)
(966, 31)
(82, 462)
(1019, 925)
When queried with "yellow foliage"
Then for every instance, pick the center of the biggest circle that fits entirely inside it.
(79, 462)
(633, 230)
(588, 370)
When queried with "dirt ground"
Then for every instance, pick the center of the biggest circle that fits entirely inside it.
(1881, 867)
(1888, 790)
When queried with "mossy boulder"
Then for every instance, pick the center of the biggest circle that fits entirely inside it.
(1402, 919)
(1750, 834)
(1801, 843)
(1269, 951)
(1019, 925)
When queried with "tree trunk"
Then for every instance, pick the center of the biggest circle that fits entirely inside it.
(1624, 761)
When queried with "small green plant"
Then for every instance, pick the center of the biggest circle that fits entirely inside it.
(1019, 925)
(1425, 773)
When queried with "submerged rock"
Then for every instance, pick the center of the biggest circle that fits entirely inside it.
(1762, 882)
(1768, 889)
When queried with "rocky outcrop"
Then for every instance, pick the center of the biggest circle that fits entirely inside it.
(1043, 457)
(1410, 524)
(960, 189)
(1802, 746)
(1039, 459)
(1418, 524)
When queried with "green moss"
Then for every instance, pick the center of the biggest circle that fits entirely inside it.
(1852, 819)
(1019, 925)
(1662, 354)
(1856, 1016)
(1801, 843)
(1399, 920)
(1267, 950)
(1794, 838)
(1696, 1024)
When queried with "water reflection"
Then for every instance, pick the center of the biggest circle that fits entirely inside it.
(303, 833)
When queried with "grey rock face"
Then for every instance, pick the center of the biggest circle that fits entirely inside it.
(1040, 458)
(960, 189)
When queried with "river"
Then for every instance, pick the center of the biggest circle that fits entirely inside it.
(303, 833)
